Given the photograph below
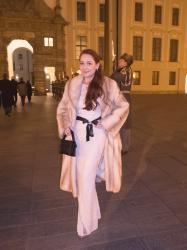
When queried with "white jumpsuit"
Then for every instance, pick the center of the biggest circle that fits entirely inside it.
(88, 155)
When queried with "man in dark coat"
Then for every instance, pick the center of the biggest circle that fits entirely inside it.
(7, 94)
(123, 76)
(14, 85)
(29, 91)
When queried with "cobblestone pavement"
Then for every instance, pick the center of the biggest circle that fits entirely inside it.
(150, 212)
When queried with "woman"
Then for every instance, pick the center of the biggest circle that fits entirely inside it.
(94, 109)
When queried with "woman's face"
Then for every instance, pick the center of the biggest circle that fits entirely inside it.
(88, 66)
(122, 63)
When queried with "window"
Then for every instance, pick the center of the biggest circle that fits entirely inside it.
(48, 41)
(158, 14)
(81, 11)
(156, 49)
(138, 12)
(172, 78)
(20, 67)
(136, 77)
(175, 16)
(155, 78)
(138, 47)
(81, 44)
(173, 55)
(101, 46)
(20, 56)
(101, 12)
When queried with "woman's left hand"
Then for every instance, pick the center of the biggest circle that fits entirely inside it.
(99, 124)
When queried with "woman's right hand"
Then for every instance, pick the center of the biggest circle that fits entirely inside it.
(67, 131)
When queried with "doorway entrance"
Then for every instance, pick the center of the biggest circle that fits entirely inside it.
(20, 63)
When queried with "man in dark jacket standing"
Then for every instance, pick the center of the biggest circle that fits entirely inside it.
(7, 94)
(123, 76)
(14, 85)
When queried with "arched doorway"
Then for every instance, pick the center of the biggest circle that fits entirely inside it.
(19, 53)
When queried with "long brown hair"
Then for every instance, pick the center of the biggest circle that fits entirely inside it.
(95, 89)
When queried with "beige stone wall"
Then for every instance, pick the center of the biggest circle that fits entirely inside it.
(148, 30)
(127, 29)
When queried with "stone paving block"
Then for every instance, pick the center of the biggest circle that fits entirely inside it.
(129, 244)
(13, 245)
(171, 240)
(51, 228)
(173, 167)
(14, 233)
(14, 219)
(56, 214)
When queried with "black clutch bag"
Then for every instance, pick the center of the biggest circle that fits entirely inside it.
(68, 147)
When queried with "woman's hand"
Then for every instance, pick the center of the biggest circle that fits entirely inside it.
(99, 124)
(67, 131)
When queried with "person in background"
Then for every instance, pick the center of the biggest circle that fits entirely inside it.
(22, 90)
(14, 85)
(93, 107)
(29, 91)
(6, 94)
(123, 76)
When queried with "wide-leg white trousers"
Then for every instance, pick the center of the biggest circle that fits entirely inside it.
(88, 155)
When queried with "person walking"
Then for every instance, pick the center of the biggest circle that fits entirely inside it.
(123, 76)
(93, 107)
(29, 91)
(14, 85)
(22, 90)
(6, 94)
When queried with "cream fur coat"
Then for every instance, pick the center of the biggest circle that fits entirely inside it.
(114, 113)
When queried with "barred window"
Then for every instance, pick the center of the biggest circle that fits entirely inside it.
(101, 46)
(173, 55)
(81, 11)
(137, 77)
(138, 47)
(101, 12)
(81, 44)
(175, 16)
(138, 15)
(155, 77)
(158, 14)
(156, 49)
(172, 78)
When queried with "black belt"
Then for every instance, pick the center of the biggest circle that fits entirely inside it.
(89, 126)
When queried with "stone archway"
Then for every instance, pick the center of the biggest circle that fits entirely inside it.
(11, 48)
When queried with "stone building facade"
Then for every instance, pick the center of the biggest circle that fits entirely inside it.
(33, 22)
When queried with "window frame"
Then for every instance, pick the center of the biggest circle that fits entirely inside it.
(172, 76)
(158, 14)
(138, 12)
(80, 46)
(155, 77)
(138, 48)
(81, 17)
(156, 49)
(137, 80)
(173, 50)
(48, 41)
